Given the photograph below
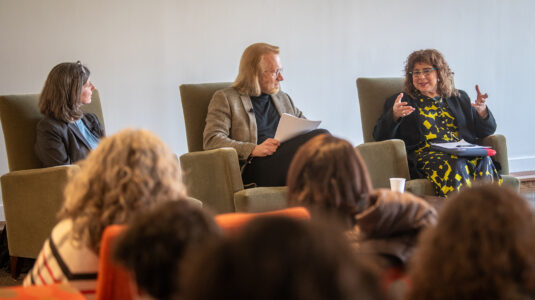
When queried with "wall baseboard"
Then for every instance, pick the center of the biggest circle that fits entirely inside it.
(522, 163)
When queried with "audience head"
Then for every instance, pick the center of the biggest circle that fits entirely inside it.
(328, 175)
(482, 248)
(67, 87)
(127, 173)
(444, 76)
(280, 258)
(155, 243)
(260, 70)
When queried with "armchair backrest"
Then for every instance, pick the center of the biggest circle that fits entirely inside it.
(195, 99)
(372, 94)
(232, 223)
(19, 115)
(113, 281)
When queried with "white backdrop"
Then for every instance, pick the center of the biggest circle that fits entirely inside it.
(140, 51)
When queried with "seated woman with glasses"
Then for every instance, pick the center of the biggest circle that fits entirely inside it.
(66, 134)
(431, 110)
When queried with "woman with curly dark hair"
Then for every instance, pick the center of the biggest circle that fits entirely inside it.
(431, 110)
(476, 253)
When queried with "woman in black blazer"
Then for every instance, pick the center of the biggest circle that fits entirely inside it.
(66, 134)
(431, 110)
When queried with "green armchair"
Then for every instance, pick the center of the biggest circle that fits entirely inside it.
(213, 176)
(32, 195)
(387, 159)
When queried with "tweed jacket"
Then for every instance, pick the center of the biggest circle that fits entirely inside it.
(231, 121)
(61, 143)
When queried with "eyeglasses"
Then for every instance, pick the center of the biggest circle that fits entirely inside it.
(275, 73)
(424, 72)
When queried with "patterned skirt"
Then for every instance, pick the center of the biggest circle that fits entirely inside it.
(450, 172)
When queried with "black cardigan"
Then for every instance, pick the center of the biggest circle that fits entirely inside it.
(471, 126)
(61, 143)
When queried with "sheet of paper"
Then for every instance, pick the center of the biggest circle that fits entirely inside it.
(459, 144)
(290, 126)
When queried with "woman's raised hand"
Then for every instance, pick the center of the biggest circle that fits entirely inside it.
(401, 109)
(480, 105)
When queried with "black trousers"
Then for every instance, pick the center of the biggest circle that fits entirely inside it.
(272, 170)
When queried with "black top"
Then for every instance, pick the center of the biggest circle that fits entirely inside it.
(267, 117)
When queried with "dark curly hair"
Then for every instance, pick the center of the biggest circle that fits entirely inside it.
(482, 248)
(445, 86)
(328, 175)
(156, 242)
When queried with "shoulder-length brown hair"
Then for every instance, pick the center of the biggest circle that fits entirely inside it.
(481, 248)
(328, 174)
(247, 82)
(127, 173)
(60, 98)
(445, 85)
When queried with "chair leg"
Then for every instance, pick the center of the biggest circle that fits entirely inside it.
(15, 266)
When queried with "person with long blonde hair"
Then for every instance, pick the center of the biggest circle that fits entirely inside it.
(125, 175)
(245, 117)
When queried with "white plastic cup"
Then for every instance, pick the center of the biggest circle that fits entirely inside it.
(397, 184)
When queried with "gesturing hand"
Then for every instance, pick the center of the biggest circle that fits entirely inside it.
(481, 105)
(267, 148)
(401, 109)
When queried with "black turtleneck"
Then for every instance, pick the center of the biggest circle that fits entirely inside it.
(267, 117)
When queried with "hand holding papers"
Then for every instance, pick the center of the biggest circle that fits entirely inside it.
(290, 126)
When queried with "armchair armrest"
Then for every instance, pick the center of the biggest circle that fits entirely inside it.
(32, 199)
(212, 176)
(261, 199)
(385, 159)
(498, 143)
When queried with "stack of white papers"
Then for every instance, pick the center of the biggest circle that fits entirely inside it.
(290, 126)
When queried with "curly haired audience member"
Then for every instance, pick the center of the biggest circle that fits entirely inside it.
(482, 248)
(126, 174)
(329, 177)
(66, 134)
(154, 245)
(279, 258)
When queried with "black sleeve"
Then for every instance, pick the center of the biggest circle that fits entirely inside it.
(50, 145)
(386, 127)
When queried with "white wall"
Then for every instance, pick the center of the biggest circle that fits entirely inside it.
(139, 52)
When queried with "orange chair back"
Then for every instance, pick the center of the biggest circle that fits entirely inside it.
(232, 222)
(113, 281)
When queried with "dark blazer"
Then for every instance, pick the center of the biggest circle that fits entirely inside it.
(471, 126)
(61, 143)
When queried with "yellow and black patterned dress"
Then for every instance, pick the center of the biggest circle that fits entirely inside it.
(448, 172)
